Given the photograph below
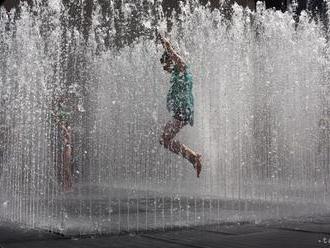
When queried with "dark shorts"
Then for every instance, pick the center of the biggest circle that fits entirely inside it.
(184, 115)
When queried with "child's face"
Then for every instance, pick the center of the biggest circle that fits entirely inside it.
(167, 62)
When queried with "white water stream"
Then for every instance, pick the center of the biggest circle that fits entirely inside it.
(261, 86)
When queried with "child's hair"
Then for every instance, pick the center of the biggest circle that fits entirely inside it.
(165, 59)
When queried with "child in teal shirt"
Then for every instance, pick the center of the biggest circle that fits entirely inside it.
(180, 103)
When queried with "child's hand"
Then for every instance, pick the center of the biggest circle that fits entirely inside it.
(159, 38)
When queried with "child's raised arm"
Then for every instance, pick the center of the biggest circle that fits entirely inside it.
(173, 54)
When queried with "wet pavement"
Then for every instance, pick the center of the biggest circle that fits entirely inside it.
(295, 233)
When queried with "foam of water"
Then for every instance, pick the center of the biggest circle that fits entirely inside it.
(261, 92)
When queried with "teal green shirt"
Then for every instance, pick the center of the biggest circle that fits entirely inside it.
(64, 115)
(180, 100)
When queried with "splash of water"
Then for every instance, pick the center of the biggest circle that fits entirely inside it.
(262, 124)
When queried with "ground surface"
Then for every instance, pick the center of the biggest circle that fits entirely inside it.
(310, 233)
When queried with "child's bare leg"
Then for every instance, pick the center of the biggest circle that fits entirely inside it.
(167, 139)
(67, 169)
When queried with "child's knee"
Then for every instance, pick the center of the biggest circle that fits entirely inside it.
(164, 140)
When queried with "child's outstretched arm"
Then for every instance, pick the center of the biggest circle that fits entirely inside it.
(173, 54)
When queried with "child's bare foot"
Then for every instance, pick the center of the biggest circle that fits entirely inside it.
(198, 164)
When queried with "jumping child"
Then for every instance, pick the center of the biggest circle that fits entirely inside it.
(180, 103)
